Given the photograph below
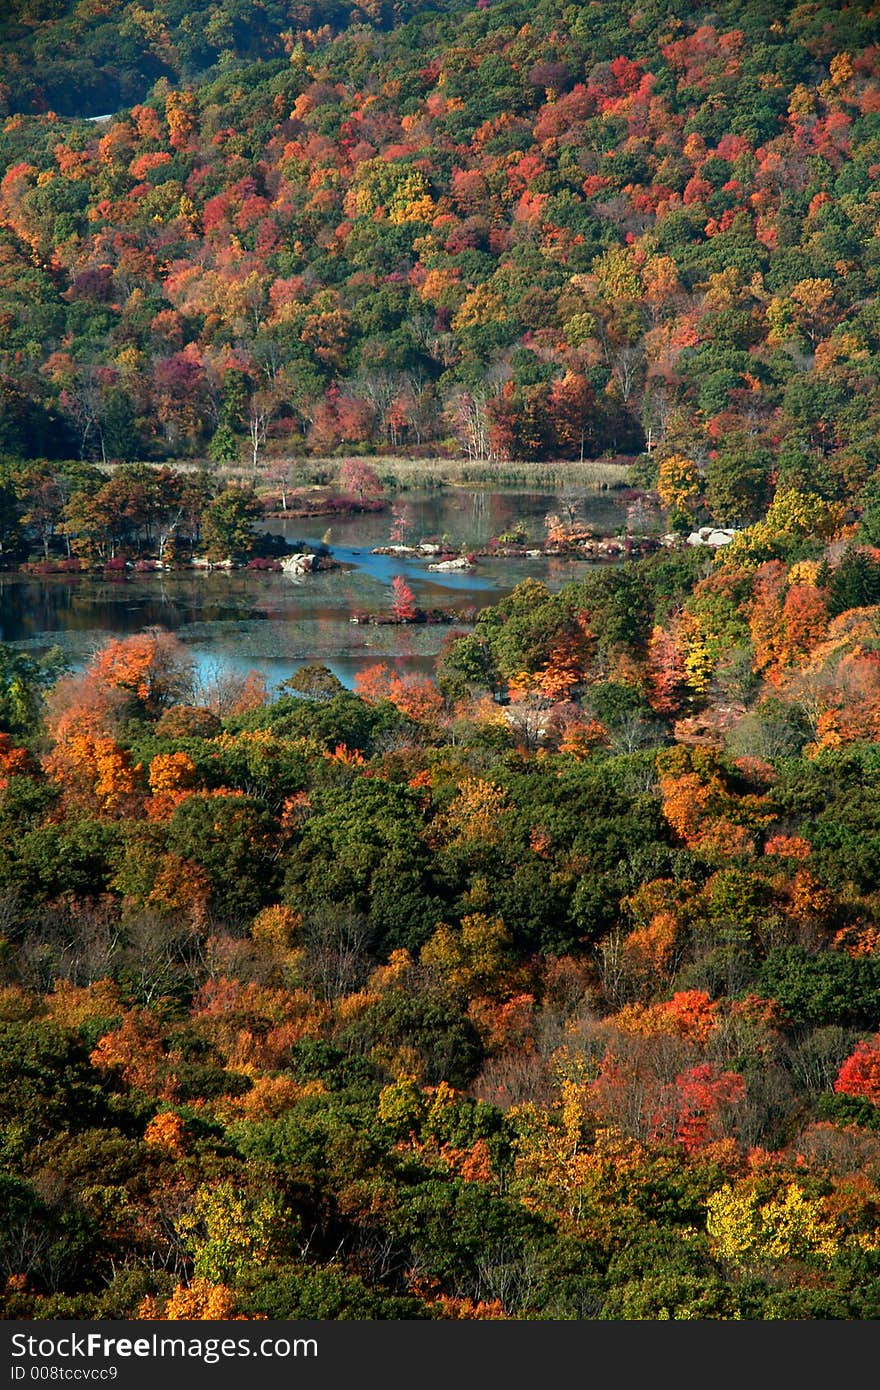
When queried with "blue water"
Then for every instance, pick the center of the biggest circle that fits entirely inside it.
(274, 622)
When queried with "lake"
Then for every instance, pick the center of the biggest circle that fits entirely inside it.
(277, 622)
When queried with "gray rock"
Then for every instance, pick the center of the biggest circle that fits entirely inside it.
(712, 535)
(462, 563)
(298, 564)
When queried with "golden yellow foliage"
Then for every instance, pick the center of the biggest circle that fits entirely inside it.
(749, 1232)
(199, 1301)
(678, 481)
(277, 926)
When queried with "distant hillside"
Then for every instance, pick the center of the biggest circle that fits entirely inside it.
(513, 231)
(87, 57)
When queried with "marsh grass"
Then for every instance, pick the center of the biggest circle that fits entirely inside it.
(410, 475)
(400, 474)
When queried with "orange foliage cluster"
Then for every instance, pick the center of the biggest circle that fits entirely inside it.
(648, 951)
(787, 622)
(198, 1301)
(457, 1309)
(97, 772)
(171, 777)
(180, 889)
(688, 1014)
(14, 762)
(509, 1024)
(787, 846)
(136, 1050)
(166, 1132)
(253, 1026)
(415, 696)
(151, 667)
(700, 811)
(859, 939)
(565, 668)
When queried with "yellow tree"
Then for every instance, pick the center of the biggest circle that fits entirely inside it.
(474, 957)
(172, 776)
(678, 481)
(750, 1231)
(229, 1230)
(477, 813)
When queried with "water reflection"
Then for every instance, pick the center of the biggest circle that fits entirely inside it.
(275, 622)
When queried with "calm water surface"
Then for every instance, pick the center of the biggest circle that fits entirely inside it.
(276, 622)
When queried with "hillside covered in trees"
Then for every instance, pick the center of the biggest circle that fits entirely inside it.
(545, 234)
(549, 987)
(530, 992)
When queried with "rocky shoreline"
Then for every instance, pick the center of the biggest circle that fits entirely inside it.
(296, 563)
(596, 548)
(306, 561)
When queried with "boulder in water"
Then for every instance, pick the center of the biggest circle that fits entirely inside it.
(462, 563)
(298, 564)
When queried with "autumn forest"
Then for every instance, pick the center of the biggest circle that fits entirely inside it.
(547, 985)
